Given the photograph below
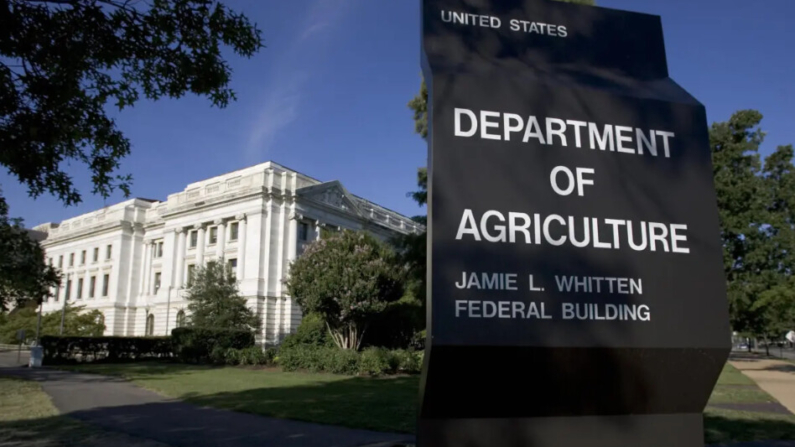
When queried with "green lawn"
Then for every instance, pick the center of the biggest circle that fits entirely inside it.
(28, 418)
(384, 404)
(724, 425)
(388, 404)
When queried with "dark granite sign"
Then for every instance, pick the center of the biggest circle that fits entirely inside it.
(576, 284)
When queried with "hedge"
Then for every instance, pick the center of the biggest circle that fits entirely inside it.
(253, 356)
(371, 361)
(67, 349)
(201, 345)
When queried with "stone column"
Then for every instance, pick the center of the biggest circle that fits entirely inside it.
(200, 245)
(221, 243)
(179, 274)
(150, 246)
(292, 238)
(144, 268)
(318, 227)
(241, 246)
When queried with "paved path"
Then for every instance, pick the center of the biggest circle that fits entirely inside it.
(776, 377)
(117, 405)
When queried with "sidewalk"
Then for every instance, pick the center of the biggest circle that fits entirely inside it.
(776, 377)
(116, 405)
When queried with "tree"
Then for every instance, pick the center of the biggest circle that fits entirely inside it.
(65, 63)
(24, 275)
(349, 279)
(77, 322)
(214, 301)
(756, 204)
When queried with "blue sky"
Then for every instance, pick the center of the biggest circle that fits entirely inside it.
(328, 96)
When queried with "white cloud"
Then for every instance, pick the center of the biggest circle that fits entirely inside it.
(281, 105)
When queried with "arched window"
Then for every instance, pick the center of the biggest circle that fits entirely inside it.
(181, 318)
(150, 325)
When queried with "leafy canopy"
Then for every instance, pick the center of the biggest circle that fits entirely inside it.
(64, 65)
(62, 62)
(24, 275)
(77, 322)
(348, 279)
(214, 301)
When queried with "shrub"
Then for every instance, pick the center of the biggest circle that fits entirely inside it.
(59, 349)
(372, 361)
(252, 356)
(377, 362)
(409, 361)
(342, 361)
(311, 332)
(397, 325)
(197, 345)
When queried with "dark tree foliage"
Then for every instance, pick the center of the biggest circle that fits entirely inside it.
(65, 63)
(24, 274)
(214, 301)
(756, 203)
(348, 279)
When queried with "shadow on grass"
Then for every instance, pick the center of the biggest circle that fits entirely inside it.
(784, 367)
(380, 404)
(724, 428)
(132, 371)
(178, 423)
(62, 431)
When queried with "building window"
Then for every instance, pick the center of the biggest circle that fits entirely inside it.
(49, 261)
(108, 251)
(213, 235)
(60, 262)
(101, 321)
(191, 271)
(96, 254)
(233, 229)
(68, 290)
(157, 281)
(194, 238)
(232, 263)
(92, 286)
(150, 325)
(303, 231)
(158, 249)
(71, 259)
(79, 288)
(83, 258)
(181, 318)
(105, 284)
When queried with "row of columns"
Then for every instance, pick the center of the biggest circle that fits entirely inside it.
(180, 249)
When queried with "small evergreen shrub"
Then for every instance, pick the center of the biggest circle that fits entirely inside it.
(409, 361)
(311, 332)
(378, 362)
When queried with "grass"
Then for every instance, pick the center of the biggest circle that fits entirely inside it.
(28, 418)
(725, 426)
(388, 404)
(735, 387)
(382, 404)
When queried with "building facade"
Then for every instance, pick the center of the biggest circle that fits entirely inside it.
(133, 260)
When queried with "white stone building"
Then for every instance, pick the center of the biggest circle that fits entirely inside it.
(132, 260)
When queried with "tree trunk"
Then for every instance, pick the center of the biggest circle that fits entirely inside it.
(347, 336)
(767, 347)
